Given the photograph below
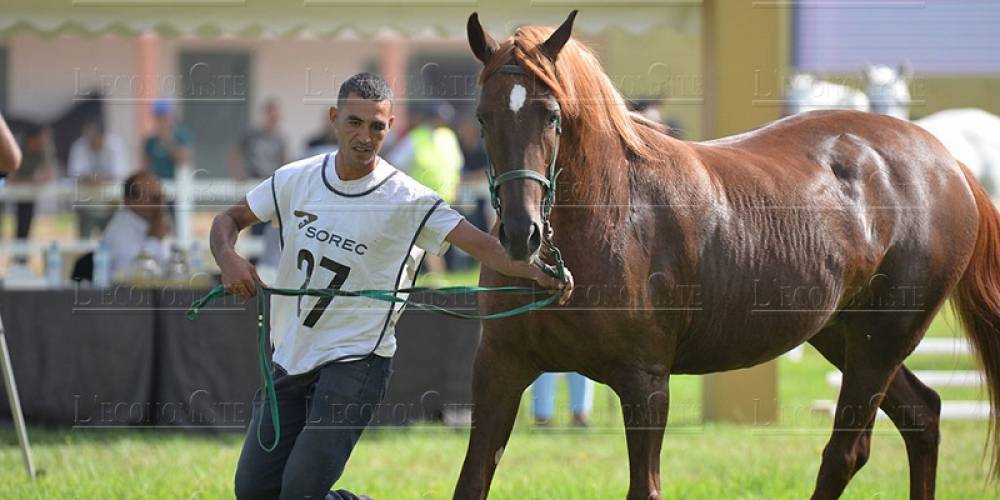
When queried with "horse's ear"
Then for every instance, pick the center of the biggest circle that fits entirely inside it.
(559, 37)
(906, 70)
(481, 43)
(867, 71)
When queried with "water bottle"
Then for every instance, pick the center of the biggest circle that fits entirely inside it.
(177, 266)
(145, 267)
(102, 266)
(194, 258)
(53, 266)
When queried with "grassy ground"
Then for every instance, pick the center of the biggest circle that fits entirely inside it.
(698, 461)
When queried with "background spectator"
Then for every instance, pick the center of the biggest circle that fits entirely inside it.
(430, 153)
(581, 397)
(260, 152)
(140, 223)
(324, 141)
(96, 158)
(475, 187)
(170, 144)
(38, 166)
(261, 149)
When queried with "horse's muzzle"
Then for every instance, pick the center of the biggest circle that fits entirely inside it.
(522, 240)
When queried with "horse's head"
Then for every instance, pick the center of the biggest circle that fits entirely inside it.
(521, 123)
(889, 89)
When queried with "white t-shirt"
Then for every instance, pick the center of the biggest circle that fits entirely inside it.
(110, 160)
(127, 235)
(368, 233)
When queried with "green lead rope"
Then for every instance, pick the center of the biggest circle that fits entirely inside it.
(264, 323)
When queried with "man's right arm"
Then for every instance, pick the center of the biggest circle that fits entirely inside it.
(238, 275)
(10, 153)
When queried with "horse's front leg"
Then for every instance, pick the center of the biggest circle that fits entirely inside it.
(498, 380)
(645, 401)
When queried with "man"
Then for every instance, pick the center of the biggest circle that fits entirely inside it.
(37, 168)
(324, 140)
(96, 158)
(261, 149)
(348, 220)
(430, 154)
(170, 145)
(260, 152)
(139, 225)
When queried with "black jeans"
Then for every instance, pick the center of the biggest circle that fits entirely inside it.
(25, 211)
(323, 413)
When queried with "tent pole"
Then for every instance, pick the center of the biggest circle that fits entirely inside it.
(15, 403)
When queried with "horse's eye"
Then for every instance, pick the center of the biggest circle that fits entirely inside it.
(553, 119)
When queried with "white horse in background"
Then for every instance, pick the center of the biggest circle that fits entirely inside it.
(889, 89)
(972, 135)
(807, 93)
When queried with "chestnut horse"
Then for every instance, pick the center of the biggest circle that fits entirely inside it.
(871, 214)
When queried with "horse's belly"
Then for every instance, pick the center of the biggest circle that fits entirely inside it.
(729, 336)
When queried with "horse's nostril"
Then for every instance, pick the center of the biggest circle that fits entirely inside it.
(535, 240)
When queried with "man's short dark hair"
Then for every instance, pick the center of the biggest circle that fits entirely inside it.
(129, 191)
(132, 190)
(366, 85)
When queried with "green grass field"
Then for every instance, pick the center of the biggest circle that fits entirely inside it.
(698, 461)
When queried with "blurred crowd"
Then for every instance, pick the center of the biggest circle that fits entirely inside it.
(438, 147)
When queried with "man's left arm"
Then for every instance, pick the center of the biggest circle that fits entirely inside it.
(487, 249)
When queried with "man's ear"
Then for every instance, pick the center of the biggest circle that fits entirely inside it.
(333, 114)
(392, 120)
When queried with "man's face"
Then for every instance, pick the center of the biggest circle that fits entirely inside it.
(95, 137)
(163, 123)
(361, 126)
(272, 116)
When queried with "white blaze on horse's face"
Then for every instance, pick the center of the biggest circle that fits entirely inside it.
(517, 95)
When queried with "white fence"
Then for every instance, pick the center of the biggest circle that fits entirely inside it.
(950, 410)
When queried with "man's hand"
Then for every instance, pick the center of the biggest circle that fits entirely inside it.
(238, 275)
(487, 249)
(547, 281)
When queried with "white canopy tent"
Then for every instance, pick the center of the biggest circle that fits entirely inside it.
(328, 18)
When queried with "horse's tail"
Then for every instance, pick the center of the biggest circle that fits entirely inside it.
(977, 302)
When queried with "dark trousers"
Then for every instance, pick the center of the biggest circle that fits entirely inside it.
(322, 415)
(25, 211)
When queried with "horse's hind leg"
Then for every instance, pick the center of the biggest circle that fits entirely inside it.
(645, 401)
(913, 407)
(498, 380)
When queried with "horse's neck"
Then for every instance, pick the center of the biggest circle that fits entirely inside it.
(593, 187)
